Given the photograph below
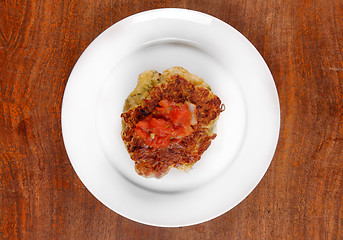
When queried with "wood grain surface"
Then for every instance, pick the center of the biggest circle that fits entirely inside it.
(300, 197)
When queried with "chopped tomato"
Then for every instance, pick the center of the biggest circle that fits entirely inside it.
(164, 103)
(168, 123)
(180, 115)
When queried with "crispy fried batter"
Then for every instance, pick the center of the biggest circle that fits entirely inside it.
(173, 86)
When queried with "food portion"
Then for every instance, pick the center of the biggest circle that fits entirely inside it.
(167, 121)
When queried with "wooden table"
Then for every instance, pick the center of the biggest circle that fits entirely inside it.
(300, 197)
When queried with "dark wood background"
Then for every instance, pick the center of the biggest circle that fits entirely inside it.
(300, 196)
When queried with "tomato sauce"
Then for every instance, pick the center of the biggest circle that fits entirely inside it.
(168, 123)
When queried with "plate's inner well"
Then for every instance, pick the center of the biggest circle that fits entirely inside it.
(123, 78)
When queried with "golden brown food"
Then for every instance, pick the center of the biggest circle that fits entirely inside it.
(168, 120)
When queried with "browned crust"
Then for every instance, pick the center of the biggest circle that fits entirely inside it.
(152, 162)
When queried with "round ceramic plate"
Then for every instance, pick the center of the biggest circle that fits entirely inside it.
(247, 131)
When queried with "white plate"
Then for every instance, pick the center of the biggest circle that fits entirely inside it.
(247, 130)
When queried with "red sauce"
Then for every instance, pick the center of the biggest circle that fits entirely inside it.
(168, 123)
